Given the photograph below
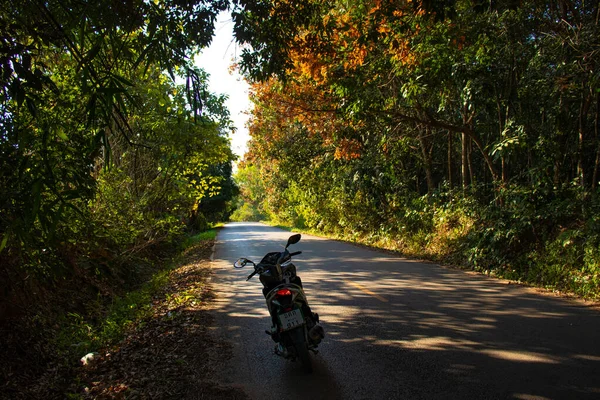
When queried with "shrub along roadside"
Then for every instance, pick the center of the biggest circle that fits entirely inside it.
(124, 312)
(172, 353)
(547, 239)
(51, 348)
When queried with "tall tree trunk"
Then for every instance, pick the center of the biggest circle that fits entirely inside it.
(580, 174)
(488, 160)
(463, 169)
(423, 132)
(470, 161)
(583, 110)
(450, 181)
(501, 125)
(464, 161)
(597, 163)
(467, 131)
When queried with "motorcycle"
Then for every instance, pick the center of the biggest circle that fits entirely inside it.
(295, 328)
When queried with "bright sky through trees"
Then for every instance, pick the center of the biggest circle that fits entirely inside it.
(217, 60)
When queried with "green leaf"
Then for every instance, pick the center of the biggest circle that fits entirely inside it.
(123, 80)
(61, 134)
(4, 242)
(31, 106)
(94, 50)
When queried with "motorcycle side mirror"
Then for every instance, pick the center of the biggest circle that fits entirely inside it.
(293, 239)
(242, 262)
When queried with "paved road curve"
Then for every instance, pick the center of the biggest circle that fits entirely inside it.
(400, 329)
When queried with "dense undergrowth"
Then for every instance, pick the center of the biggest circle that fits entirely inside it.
(42, 346)
(545, 238)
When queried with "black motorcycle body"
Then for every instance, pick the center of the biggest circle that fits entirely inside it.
(295, 328)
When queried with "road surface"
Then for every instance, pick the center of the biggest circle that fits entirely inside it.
(401, 329)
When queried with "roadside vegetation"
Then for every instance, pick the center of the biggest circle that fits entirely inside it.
(112, 153)
(151, 342)
(465, 132)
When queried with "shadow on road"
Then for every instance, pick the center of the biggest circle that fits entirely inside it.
(402, 329)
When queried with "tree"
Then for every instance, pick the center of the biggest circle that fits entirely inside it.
(386, 103)
(97, 140)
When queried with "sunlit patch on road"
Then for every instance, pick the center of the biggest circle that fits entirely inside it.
(522, 356)
(367, 291)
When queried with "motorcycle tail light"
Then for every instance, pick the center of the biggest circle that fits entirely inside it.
(283, 293)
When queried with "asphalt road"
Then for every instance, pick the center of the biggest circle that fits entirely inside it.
(401, 329)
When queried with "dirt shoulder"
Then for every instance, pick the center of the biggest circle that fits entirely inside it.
(169, 354)
(172, 354)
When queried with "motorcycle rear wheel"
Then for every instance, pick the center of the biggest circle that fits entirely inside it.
(301, 349)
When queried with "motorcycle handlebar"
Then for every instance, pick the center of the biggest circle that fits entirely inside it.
(283, 256)
(251, 275)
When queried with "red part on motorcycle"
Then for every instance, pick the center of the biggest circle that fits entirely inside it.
(283, 293)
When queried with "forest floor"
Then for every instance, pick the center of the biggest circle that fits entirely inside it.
(171, 353)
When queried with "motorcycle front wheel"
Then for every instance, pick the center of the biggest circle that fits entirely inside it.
(299, 339)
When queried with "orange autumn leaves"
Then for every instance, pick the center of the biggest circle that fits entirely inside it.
(348, 40)
(281, 110)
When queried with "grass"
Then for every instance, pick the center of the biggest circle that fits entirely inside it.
(210, 234)
(123, 313)
(78, 336)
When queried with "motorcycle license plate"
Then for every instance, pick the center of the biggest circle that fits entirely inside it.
(291, 319)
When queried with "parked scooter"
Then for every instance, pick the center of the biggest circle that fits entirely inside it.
(295, 328)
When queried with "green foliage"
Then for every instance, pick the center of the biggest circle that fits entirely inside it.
(81, 334)
(551, 243)
(246, 212)
(106, 162)
(266, 27)
(122, 315)
(463, 133)
(68, 73)
(220, 204)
